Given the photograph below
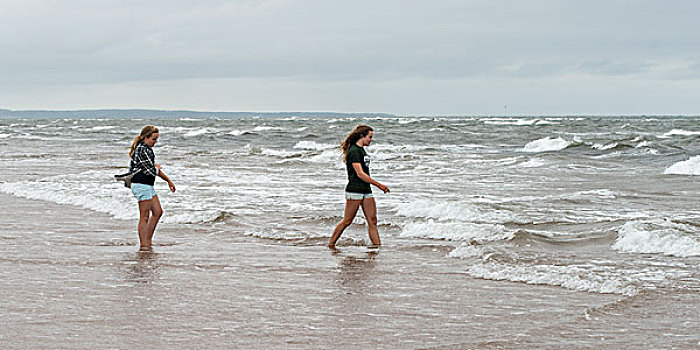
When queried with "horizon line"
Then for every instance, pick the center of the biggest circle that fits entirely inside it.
(510, 115)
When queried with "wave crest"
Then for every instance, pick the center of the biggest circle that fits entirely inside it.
(658, 237)
(546, 144)
(569, 277)
(686, 167)
(455, 211)
(313, 145)
(456, 231)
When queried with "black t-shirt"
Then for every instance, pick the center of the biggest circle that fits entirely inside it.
(357, 154)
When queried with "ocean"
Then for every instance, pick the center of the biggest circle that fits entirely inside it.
(597, 205)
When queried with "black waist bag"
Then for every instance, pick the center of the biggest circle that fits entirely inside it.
(126, 178)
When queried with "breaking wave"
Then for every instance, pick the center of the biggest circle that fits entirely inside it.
(455, 231)
(577, 278)
(686, 167)
(658, 237)
(547, 144)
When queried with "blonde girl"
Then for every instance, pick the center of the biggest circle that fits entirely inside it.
(143, 162)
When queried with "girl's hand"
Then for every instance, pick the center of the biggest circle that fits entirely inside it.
(384, 188)
(172, 187)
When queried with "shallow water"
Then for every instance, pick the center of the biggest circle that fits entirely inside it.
(590, 210)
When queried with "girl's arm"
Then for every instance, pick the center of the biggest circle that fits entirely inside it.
(166, 178)
(366, 178)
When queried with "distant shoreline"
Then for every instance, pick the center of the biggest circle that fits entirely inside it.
(155, 113)
(167, 114)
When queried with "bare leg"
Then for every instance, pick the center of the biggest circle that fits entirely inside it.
(351, 207)
(144, 215)
(369, 208)
(156, 213)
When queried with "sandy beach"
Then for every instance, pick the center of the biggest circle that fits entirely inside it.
(73, 279)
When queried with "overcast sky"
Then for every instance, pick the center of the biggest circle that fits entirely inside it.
(434, 57)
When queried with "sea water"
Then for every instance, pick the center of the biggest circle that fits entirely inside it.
(593, 204)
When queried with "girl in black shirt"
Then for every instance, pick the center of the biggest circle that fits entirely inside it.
(358, 192)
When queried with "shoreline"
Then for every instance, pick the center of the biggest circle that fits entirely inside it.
(73, 279)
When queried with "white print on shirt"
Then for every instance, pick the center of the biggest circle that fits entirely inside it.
(367, 159)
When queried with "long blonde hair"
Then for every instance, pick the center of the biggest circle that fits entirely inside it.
(146, 132)
(357, 133)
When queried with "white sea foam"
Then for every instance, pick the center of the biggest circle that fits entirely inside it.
(658, 236)
(279, 153)
(284, 233)
(287, 119)
(410, 148)
(599, 193)
(680, 132)
(686, 167)
(588, 195)
(87, 190)
(580, 278)
(464, 251)
(454, 211)
(198, 132)
(313, 145)
(236, 132)
(532, 163)
(26, 136)
(267, 128)
(602, 147)
(331, 156)
(190, 216)
(509, 121)
(75, 193)
(546, 144)
(455, 231)
(490, 162)
(101, 128)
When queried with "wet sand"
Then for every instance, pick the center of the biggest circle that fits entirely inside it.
(74, 279)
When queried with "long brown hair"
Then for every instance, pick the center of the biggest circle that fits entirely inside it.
(357, 133)
(146, 132)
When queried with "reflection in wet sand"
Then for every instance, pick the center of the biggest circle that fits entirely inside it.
(355, 270)
(143, 266)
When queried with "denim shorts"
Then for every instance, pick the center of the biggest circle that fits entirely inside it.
(142, 192)
(357, 196)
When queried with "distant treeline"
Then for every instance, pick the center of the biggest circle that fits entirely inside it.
(162, 114)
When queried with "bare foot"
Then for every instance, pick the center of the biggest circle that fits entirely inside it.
(333, 249)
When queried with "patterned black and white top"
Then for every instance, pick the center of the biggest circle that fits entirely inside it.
(143, 159)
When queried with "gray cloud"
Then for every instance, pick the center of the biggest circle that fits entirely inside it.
(116, 42)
